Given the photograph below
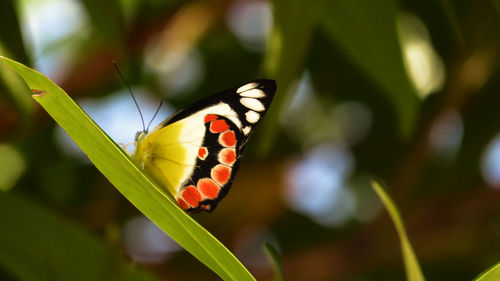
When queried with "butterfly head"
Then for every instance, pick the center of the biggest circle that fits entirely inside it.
(140, 135)
(139, 153)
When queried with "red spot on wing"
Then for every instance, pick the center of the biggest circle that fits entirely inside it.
(191, 195)
(218, 126)
(208, 188)
(182, 203)
(202, 153)
(227, 156)
(206, 207)
(227, 139)
(210, 117)
(221, 174)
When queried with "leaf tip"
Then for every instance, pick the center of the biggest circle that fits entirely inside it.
(375, 184)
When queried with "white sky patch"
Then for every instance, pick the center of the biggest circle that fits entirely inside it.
(46, 22)
(117, 115)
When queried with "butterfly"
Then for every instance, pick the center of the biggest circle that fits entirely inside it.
(196, 152)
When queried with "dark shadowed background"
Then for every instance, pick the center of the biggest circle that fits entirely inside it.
(407, 92)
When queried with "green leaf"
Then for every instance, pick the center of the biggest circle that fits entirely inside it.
(274, 256)
(106, 18)
(133, 273)
(10, 31)
(12, 166)
(36, 245)
(413, 271)
(293, 24)
(366, 31)
(119, 169)
(12, 84)
(490, 274)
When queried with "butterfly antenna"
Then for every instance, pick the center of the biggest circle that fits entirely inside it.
(156, 112)
(131, 93)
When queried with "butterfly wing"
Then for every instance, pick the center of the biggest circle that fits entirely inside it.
(195, 153)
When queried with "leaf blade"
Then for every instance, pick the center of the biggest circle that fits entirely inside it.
(274, 257)
(413, 271)
(490, 274)
(366, 31)
(37, 245)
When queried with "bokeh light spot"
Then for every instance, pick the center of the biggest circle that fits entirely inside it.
(490, 163)
(316, 185)
(424, 66)
(250, 22)
(145, 242)
(178, 70)
(353, 120)
(12, 166)
(446, 134)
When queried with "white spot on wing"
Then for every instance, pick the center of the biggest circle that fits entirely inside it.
(246, 130)
(246, 87)
(252, 116)
(253, 104)
(253, 93)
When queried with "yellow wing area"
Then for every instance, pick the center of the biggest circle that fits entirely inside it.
(164, 157)
(168, 154)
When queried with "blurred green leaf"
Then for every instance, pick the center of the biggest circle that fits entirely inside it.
(133, 273)
(453, 21)
(490, 274)
(293, 24)
(35, 245)
(366, 31)
(274, 257)
(13, 85)
(119, 169)
(10, 32)
(106, 18)
(496, 4)
(12, 166)
(413, 271)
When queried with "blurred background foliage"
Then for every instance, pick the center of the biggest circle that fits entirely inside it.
(403, 91)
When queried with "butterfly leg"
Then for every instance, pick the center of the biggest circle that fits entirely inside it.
(124, 147)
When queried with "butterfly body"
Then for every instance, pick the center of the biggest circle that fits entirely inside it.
(195, 153)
